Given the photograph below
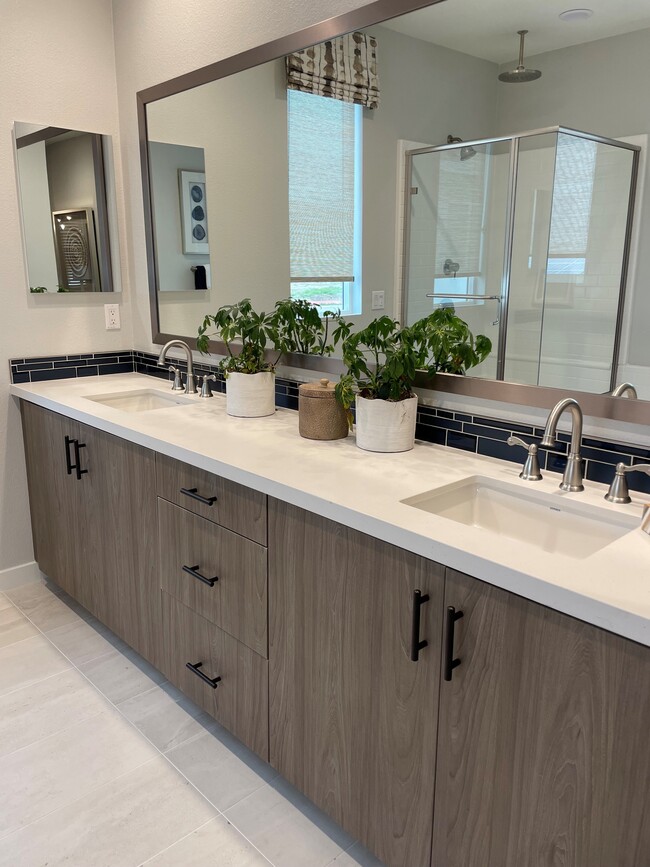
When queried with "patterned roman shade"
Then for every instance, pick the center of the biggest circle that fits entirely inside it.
(344, 68)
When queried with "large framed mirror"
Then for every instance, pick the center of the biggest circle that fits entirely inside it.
(519, 199)
(68, 209)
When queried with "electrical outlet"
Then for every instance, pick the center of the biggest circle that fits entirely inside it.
(112, 317)
(377, 301)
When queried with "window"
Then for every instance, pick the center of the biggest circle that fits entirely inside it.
(573, 188)
(462, 179)
(324, 138)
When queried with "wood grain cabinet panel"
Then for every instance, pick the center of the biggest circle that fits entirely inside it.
(119, 536)
(96, 535)
(235, 507)
(352, 719)
(237, 600)
(55, 498)
(543, 746)
(240, 700)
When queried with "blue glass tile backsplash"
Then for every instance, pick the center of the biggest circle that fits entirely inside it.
(460, 430)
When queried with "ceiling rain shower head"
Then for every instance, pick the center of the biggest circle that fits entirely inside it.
(520, 74)
(466, 153)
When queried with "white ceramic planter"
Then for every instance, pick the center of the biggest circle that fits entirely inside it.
(250, 395)
(386, 426)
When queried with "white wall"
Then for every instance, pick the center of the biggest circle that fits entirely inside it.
(240, 125)
(37, 86)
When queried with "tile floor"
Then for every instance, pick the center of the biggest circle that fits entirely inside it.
(105, 764)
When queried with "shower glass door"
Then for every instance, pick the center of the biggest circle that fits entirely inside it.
(458, 207)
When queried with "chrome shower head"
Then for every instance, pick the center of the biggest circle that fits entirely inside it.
(466, 153)
(520, 74)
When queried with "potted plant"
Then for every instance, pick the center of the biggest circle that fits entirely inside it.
(383, 360)
(250, 378)
(299, 326)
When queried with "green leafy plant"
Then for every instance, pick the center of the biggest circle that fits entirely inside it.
(383, 358)
(37, 290)
(299, 326)
(239, 324)
(447, 343)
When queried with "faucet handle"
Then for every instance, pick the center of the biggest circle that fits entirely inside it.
(531, 471)
(206, 391)
(618, 490)
(178, 382)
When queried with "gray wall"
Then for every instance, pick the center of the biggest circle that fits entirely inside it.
(600, 87)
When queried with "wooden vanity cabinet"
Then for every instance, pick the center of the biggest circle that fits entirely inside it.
(352, 719)
(55, 498)
(94, 529)
(543, 748)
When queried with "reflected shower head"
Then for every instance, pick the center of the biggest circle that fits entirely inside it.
(466, 153)
(520, 74)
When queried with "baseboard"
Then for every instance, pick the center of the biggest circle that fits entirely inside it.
(27, 573)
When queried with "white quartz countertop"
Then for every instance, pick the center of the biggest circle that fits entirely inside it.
(610, 588)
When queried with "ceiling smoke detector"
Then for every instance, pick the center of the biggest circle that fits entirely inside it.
(576, 14)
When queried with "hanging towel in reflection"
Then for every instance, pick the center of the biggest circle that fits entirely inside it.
(200, 279)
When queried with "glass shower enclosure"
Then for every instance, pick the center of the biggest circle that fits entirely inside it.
(528, 238)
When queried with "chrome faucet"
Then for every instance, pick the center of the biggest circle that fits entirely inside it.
(625, 389)
(573, 473)
(190, 384)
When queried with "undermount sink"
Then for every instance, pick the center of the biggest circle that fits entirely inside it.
(547, 522)
(142, 400)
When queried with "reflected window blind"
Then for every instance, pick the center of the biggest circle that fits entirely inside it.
(575, 167)
(321, 188)
(460, 208)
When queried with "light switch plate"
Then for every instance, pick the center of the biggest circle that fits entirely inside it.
(112, 317)
(378, 301)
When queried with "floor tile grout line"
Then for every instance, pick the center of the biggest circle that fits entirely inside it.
(185, 837)
(53, 734)
(34, 682)
(4, 837)
(20, 640)
(180, 839)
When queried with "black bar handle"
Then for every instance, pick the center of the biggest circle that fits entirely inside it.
(416, 644)
(68, 463)
(77, 465)
(211, 681)
(450, 662)
(192, 492)
(193, 571)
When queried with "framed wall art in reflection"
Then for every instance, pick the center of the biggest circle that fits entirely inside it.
(194, 212)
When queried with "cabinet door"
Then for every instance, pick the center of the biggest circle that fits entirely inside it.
(120, 534)
(54, 495)
(352, 718)
(543, 747)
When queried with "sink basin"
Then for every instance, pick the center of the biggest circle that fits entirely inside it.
(546, 522)
(142, 400)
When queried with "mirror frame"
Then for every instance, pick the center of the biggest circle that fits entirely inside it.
(595, 405)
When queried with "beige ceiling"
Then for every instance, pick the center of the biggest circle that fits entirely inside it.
(488, 28)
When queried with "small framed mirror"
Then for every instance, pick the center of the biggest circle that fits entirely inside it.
(67, 203)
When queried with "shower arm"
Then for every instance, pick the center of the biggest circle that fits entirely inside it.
(522, 37)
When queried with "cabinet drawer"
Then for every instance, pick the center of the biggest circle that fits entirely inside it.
(237, 600)
(239, 701)
(235, 507)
